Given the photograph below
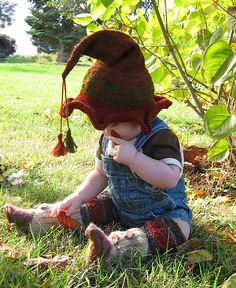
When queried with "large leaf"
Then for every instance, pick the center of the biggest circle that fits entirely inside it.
(230, 18)
(218, 122)
(83, 19)
(234, 93)
(219, 151)
(107, 3)
(91, 28)
(158, 74)
(128, 6)
(97, 9)
(214, 57)
(203, 38)
(216, 36)
(230, 282)
(224, 69)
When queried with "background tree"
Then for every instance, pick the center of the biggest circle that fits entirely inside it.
(51, 31)
(7, 10)
(7, 44)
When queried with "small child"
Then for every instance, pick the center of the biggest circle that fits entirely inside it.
(139, 158)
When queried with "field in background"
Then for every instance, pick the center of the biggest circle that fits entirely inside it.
(29, 124)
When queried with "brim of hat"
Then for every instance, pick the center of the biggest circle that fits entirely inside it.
(101, 115)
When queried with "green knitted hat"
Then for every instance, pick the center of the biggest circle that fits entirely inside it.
(118, 87)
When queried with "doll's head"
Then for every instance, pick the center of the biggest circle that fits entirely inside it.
(117, 87)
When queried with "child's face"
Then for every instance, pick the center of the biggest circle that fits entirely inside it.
(126, 130)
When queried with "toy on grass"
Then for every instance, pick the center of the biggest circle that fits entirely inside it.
(38, 219)
(5, 171)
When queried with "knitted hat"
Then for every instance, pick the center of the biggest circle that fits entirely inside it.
(117, 88)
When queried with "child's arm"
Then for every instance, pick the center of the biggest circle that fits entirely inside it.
(152, 171)
(94, 184)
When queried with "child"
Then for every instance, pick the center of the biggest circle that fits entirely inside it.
(139, 158)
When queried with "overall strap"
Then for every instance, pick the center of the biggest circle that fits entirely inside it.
(157, 125)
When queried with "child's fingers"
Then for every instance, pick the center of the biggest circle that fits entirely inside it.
(57, 209)
(116, 140)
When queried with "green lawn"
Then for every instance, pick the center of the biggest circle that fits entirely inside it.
(29, 124)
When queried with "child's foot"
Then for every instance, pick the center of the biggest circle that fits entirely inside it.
(99, 244)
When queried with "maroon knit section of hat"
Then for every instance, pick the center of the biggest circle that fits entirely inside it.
(160, 234)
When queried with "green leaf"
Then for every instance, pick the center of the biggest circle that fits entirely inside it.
(83, 19)
(226, 128)
(230, 282)
(196, 61)
(97, 9)
(141, 27)
(91, 28)
(214, 117)
(234, 93)
(216, 36)
(219, 151)
(107, 3)
(203, 38)
(108, 13)
(224, 70)
(214, 57)
(198, 256)
(179, 3)
(234, 141)
(192, 28)
(128, 6)
(230, 18)
(180, 94)
(218, 122)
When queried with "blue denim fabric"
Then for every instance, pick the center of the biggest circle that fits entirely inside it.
(137, 201)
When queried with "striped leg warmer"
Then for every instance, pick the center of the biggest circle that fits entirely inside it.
(99, 210)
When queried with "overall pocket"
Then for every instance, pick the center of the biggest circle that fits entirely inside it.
(152, 200)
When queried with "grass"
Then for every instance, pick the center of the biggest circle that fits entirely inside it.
(29, 124)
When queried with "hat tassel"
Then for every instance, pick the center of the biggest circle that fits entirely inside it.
(59, 149)
(70, 144)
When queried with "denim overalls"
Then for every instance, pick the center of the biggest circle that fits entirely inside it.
(137, 201)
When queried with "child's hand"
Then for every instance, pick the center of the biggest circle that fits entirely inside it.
(68, 205)
(124, 152)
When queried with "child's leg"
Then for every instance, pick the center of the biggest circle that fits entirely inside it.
(99, 210)
(157, 235)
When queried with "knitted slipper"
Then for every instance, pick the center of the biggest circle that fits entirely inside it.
(118, 243)
(99, 244)
(38, 219)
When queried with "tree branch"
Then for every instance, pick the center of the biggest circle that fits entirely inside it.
(183, 75)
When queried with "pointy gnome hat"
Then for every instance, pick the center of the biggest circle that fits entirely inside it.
(117, 88)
